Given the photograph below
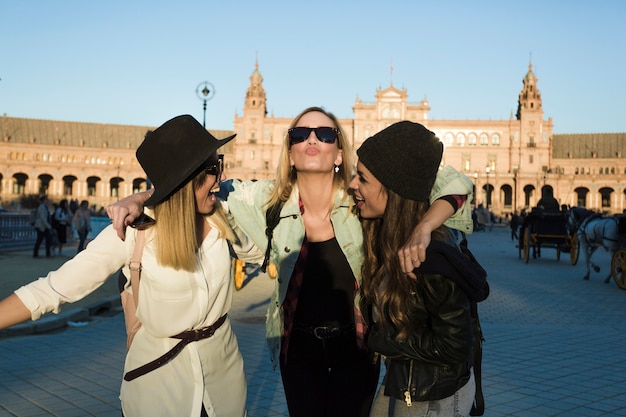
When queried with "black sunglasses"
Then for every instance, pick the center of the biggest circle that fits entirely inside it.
(216, 168)
(143, 222)
(324, 134)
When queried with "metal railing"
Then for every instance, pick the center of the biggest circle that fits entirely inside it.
(15, 230)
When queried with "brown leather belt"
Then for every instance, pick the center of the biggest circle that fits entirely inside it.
(186, 338)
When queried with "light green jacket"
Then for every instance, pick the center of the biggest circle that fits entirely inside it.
(451, 182)
(247, 202)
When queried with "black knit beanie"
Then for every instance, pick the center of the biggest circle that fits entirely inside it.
(405, 158)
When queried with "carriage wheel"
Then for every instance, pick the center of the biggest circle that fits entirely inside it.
(618, 268)
(526, 246)
(574, 249)
(239, 273)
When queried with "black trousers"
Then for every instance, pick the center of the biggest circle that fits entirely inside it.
(330, 377)
(45, 235)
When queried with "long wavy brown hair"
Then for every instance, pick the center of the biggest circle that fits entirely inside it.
(287, 177)
(384, 285)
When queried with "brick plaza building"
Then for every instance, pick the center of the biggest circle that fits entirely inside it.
(510, 161)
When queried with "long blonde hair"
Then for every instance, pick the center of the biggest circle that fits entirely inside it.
(287, 176)
(177, 221)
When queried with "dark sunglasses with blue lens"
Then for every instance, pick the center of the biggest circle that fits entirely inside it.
(324, 134)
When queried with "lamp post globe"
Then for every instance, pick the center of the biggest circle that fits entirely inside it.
(205, 92)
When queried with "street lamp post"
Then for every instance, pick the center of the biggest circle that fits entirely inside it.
(205, 92)
(488, 188)
(515, 172)
(475, 188)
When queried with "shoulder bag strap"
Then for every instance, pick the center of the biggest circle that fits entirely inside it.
(135, 265)
(272, 218)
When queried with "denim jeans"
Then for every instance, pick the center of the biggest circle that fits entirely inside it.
(458, 404)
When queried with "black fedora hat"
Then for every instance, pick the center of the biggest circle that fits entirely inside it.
(174, 153)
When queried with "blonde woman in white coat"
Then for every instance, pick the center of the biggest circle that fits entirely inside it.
(185, 285)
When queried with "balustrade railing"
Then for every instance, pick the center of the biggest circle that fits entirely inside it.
(15, 230)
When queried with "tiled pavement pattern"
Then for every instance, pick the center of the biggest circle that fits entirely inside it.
(553, 346)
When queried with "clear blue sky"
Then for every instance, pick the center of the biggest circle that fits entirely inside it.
(139, 62)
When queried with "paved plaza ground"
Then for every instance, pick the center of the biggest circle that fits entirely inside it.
(552, 342)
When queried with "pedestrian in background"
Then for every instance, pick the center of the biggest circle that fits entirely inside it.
(483, 217)
(62, 217)
(515, 222)
(82, 224)
(43, 226)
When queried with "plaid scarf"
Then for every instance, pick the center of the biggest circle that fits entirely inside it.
(359, 322)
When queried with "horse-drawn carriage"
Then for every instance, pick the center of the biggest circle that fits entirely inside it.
(595, 231)
(541, 229)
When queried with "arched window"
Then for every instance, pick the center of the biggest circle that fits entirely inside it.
(606, 197)
(115, 186)
(581, 196)
(91, 186)
(68, 182)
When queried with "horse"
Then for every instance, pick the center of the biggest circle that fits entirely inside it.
(593, 231)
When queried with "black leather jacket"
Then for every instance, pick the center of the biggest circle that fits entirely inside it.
(435, 360)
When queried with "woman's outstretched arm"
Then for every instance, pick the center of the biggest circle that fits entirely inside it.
(413, 253)
(12, 311)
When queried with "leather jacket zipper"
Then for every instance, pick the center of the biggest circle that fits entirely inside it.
(407, 393)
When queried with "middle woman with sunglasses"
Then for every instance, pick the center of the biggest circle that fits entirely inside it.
(315, 328)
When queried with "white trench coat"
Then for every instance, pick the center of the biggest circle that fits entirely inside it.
(209, 371)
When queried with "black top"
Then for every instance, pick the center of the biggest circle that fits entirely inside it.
(327, 292)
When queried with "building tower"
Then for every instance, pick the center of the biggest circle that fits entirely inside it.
(254, 151)
(535, 134)
(255, 103)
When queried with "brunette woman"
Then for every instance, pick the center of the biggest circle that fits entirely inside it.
(423, 327)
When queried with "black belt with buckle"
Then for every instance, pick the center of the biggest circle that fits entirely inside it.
(325, 331)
